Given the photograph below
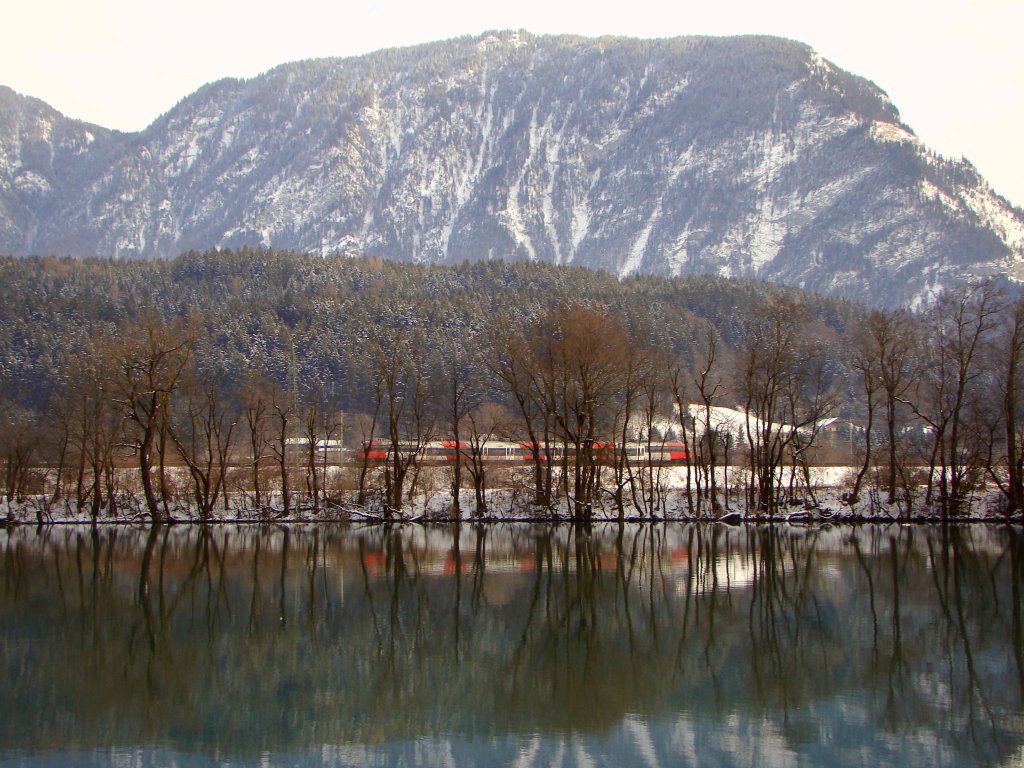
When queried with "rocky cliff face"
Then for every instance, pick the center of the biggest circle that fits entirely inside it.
(742, 157)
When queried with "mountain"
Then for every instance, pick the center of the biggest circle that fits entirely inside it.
(748, 156)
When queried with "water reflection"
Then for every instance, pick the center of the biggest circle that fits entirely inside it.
(518, 645)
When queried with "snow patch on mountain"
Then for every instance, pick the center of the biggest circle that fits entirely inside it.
(889, 132)
(736, 156)
(996, 215)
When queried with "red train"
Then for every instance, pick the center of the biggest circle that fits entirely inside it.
(445, 451)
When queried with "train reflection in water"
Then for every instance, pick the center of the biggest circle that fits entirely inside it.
(672, 565)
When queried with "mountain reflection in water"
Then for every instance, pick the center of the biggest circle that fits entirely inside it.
(514, 645)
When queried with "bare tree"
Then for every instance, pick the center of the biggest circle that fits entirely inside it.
(781, 378)
(484, 423)
(406, 406)
(883, 353)
(367, 425)
(653, 396)
(767, 363)
(582, 363)
(681, 399)
(311, 423)
(811, 401)
(959, 327)
(19, 446)
(641, 393)
(895, 341)
(708, 444)
(60, 427)
(255, 402)
(96, 425)
(1008, 364)
(149, 363)
(515, 363)
(202, 427)
(865, 361)
(332, 427)
(282, 410)
(321, 424)
(461, 394)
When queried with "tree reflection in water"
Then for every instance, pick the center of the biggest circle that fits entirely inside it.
(693, 640)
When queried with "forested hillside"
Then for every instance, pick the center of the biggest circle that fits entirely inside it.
(306, 321)
(230, 359)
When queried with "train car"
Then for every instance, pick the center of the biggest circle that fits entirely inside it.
(445, 450)
(528, 449)
(604, 453)
(504, 451)
(671, 452)
(373, 450)
(380, 450)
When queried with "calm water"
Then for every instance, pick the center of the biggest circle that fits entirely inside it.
(511, 646)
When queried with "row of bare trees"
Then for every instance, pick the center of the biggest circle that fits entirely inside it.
(931, 409)
(581, 380)
(931, 404)
(945, 388)
(138, 404)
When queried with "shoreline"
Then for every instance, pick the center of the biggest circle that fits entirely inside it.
(731, 519)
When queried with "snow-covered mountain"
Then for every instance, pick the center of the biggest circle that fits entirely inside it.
(746, 156)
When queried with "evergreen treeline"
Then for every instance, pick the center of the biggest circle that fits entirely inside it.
(252, 362)
(269, 310)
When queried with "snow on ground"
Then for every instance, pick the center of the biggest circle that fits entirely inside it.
(734, 422)
(823, 501)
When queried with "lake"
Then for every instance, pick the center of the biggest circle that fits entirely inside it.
(517, 645)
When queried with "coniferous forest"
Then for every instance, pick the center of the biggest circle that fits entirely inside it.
(272, 382)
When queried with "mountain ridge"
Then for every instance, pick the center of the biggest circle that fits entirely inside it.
(749, 156)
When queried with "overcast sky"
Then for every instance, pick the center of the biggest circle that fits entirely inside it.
(955, 70)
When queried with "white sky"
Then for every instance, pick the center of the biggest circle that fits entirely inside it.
(954, 69)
